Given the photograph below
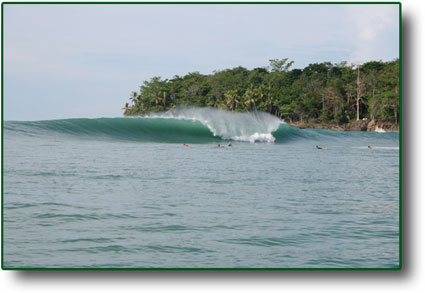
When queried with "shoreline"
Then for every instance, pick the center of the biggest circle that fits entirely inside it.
(361, 125)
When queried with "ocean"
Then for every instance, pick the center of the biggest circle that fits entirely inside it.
(126, 193)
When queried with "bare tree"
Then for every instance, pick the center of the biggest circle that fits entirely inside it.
(360, 90)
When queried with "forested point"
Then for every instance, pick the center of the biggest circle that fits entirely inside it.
(319, 93)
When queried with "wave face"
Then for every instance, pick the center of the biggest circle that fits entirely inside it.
(248, 126)
(179, 125)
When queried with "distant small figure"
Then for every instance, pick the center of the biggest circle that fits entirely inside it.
(319, 148)
(220, 146)
(369, 147)
(185, 145)
(230, 144)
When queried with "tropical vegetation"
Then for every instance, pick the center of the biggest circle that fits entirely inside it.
(320, 93)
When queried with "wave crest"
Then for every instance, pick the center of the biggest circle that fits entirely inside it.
(180, 125)
(247, 126)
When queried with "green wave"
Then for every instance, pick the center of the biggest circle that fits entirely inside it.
(180, 125)
(131, 129)
(165, 130)
(174, 130)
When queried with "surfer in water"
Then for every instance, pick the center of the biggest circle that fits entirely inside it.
(319, 148)
(369, 147)
(185, 145)
(230, 144)
(220, 146)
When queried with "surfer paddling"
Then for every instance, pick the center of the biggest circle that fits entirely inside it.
(321, 148)
(185, 145)
(369, 147)
(220, 146)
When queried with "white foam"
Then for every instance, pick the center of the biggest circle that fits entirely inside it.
(246, 126)
(256, 137)
(379, 129)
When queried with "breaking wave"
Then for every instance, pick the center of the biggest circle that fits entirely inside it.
(179, 125)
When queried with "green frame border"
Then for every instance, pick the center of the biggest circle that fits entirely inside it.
(202, 269)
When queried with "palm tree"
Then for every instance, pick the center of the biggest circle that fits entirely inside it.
(241, 103)
(261, 92)
(126, 108)
(231, 99)
(164, 99)
(213, 102)
(250, 100)
(269, 103)
(134, 98)
(157, 98)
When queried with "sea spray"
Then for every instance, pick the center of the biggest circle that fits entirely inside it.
(246, 126)
(180, 125)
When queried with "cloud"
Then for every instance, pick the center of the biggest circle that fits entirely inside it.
(111, 49)
(374, 31)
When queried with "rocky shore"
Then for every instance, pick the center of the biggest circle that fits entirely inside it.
(361, 125)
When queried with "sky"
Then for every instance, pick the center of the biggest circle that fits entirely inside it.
(73, 61)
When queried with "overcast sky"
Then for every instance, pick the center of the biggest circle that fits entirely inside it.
(68, 61)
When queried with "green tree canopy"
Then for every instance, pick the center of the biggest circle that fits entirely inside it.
(321, 92)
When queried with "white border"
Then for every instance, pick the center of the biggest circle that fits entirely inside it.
(410, 279)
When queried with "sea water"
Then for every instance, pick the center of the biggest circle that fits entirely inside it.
(125, 193)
